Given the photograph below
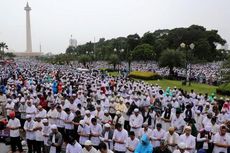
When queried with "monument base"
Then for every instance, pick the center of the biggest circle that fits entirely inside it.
(27, 54)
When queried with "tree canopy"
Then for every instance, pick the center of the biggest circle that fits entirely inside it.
(205, 41)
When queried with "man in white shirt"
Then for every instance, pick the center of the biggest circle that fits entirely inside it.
(38, 126)
(119, 137)
(45, 133)
(9, 107)
(41, 113)
(221, 140)
(145, 130)
(188, 139)
(95, 132)
(14, 126)
(171, 138)
(178, 122)
(61, 115)
(119, 119)
(31, 109)
(131, 142)
(83, 131)
(68, 122)
(30, 134)
(158, 135)
(52, 115)
(89, 147)
(73, 146)
(136, 121)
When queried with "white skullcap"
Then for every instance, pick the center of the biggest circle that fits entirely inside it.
(88, 143)
(118, 112)
(87, 112)
(45, 121)
(82, 122)
(54, 126)
(188, 127)
(182, 145)
(106, 111)
(136, 110)
(28, 116)
(198, 111)
(107, 125)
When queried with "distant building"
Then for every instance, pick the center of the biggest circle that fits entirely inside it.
(72, 42)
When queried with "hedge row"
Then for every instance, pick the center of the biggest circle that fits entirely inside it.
(224, 89)
(144, 75)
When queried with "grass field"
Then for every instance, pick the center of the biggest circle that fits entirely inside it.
(197, 87)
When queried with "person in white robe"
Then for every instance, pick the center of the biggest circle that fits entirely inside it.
(188, 139)
(158, 135)
(131, 142)
(136, 121)
(171, 138)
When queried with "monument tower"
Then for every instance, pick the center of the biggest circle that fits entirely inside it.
(28, 29)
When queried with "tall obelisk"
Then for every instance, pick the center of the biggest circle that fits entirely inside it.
(28, 29)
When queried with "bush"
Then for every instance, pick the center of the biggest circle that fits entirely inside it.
(224, 89)
(144, 75)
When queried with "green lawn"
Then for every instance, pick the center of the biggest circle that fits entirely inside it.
(198, 88)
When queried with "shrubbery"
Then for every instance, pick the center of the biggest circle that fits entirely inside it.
(224, 89)
(144, 75)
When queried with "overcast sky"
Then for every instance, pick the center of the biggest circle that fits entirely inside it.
(53, 21)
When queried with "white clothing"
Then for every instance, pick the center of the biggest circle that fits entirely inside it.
(31, 110)
(171, 139)
(120, 136)
(157, 135)
(83, 130)
(136, 123)
(190, 142)
(15, 123)
(95, 129)
(76, 148)
(29, 126)
(222, 140)
(131, 144)
(52, 116)
(69, 117)
(38, 133)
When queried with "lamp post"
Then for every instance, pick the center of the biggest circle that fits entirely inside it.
(188, 60)
(117, 52)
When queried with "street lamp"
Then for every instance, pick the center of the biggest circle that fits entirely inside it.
(191, 47)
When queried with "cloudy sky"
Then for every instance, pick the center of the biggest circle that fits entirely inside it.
(53, 21)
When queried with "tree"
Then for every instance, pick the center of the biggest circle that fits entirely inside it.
(3, 46)
(133, 41)
(172, 58)
(114, 60)
(70, 50)
(84, 59)
(143, 52)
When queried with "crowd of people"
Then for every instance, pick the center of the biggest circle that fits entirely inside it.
(204, 73)
(54, 109)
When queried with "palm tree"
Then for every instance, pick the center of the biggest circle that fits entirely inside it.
(3, 46)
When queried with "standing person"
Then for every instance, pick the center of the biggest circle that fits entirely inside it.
(22, 111)
(95, 132)
(167, 117)
(136, 121)
(145, 130)
(107, 136)
(61, 115)
(171, 138)
(188, 139)
(162, 148)
(14, 126)
(84, 132)
(204, 139)
(45, 133)
(119, 119)
(131, 142)
(69, 127)
(30, 134)
(119, 137)
(178, 122)
(221, 140)
(73, 146)
(89, 147)
(55, 140)
(144, 145)
(39, 140)
(158, 135)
